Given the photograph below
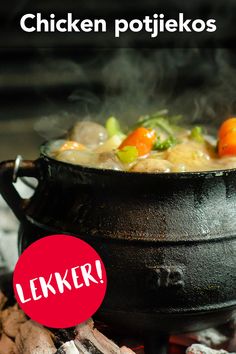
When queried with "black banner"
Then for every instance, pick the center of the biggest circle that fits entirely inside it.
(70, 24)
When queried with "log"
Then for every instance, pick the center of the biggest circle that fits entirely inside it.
(3, 300)
(7, 346)
(68, 348)
(95, 342)
(125, 350)
(202, 349)
(62, 335)
(33, 338)
(90, 337)
(11, 319)
(87, 348)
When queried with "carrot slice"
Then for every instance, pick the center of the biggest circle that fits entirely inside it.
(142, 138)
(227, 126)
(227, 144)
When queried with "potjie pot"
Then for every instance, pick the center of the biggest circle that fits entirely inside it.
(168, 241)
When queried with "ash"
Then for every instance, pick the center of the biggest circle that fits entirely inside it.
(202, 349)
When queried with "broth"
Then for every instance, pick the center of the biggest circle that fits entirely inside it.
(153, 146)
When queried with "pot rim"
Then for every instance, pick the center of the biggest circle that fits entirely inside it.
(167, 175)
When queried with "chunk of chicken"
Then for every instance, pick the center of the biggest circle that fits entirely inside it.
(152, 165)
(84, 158)
(193, 155)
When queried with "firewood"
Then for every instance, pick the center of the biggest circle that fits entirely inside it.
(86, 335)
(202, 349)
(11, 319)
(33, 338)
(125, 350)
(62, 335)
(7, 346)
(95, 342)
(3, 300)
(68, 348)
(88, 347)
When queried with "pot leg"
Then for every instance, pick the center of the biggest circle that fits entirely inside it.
(156, 344)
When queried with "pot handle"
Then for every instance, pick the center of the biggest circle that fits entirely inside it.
(9, 171)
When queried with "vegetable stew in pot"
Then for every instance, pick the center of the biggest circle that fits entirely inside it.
(153, 145)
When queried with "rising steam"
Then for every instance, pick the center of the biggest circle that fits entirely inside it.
(198, 83)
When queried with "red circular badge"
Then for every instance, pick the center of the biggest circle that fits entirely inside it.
(59, 281)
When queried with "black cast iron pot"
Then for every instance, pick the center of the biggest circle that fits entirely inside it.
(168, 241)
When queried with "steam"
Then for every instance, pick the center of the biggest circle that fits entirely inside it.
(131, 81)
(54, 125)
(198, 83)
